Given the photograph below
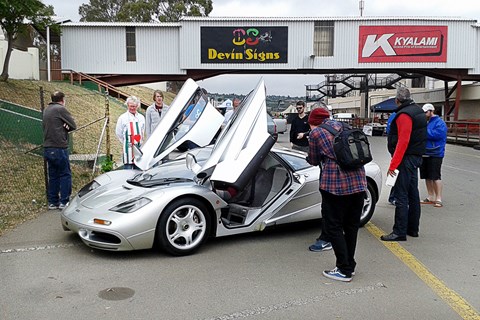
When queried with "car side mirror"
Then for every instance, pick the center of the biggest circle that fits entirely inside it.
(192, 164)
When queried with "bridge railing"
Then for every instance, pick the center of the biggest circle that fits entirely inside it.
(75, 76)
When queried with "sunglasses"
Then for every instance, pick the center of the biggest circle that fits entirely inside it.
(300, 108)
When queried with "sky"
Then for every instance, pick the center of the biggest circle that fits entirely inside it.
(294, 85)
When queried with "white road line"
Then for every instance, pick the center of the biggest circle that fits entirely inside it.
(295, 303)
(37, 248)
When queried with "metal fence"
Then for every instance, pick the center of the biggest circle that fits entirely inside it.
(22, 167)
(463, 132)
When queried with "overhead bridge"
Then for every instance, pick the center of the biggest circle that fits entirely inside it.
(444, 48)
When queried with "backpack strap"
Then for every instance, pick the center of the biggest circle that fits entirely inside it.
(330, 129)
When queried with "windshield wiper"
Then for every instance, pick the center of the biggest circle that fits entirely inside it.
(156, 182)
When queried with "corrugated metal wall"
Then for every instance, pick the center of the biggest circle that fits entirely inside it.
(460, 55)
(172, 49)
(477, 50)
(102, 50)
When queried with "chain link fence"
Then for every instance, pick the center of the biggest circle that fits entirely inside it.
(22, 167)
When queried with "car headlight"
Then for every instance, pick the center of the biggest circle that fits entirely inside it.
(131, 205)
(92, 185)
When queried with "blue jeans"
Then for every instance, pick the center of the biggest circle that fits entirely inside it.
(59, 175)
(407, 198)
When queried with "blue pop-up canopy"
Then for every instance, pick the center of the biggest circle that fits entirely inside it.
(388, 105)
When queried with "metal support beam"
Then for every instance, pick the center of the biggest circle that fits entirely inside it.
(458, 98)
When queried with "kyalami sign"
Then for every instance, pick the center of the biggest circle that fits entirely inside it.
(402, 44)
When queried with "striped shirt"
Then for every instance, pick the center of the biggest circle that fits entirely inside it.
(333, 179)
(130, 130)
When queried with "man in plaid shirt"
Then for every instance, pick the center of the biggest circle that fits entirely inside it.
(343, 193)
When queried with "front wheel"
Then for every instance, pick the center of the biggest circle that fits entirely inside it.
(183, 227)
(368, 204)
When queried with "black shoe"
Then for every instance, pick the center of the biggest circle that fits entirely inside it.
(412, 234)
(393, 237)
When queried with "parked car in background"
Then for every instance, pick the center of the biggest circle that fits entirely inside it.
(280, 123)
(344, 116)
(272, 127)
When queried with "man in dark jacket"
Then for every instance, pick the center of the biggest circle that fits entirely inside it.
(57, 122)
(406, 143)
(299, 129)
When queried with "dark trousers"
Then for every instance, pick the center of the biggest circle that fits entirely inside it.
(59, 175)
(341, 215)
(407, 198)
(323, 234)
(391, 196)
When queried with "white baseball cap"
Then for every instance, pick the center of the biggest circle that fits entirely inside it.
(428, 107)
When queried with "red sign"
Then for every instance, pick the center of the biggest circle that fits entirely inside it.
(402, 44)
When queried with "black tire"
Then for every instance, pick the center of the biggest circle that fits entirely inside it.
(183, 226)
(369, 204)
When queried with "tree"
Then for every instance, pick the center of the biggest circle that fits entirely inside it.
(14, 16)
(173, 10)
(143, 11)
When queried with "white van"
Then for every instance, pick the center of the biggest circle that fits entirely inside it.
(344, 116)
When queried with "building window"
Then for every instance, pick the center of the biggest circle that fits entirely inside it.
(131, 48)
(323, 38)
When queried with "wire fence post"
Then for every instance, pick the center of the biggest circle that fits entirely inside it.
(45, 167)
(107, 116)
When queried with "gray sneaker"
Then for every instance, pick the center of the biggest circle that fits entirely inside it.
(320, 245)
(52, 206)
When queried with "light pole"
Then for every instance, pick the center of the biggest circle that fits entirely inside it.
(49, 77)
(361, 6)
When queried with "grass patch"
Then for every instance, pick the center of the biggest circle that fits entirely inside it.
(22, 191)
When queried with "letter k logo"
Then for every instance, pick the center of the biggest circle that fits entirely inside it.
(372, 44)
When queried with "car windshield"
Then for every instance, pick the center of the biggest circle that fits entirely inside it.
(172, 170)
(185, 121)
(234, 116)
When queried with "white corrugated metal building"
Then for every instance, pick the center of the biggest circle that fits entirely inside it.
(445, 48)
(174, 48)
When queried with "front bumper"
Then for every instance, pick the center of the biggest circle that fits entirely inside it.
(97, 237)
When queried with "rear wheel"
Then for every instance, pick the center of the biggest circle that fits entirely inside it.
(183, 226)
(368, 204)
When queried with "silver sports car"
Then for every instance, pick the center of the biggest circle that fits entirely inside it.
(240, 184)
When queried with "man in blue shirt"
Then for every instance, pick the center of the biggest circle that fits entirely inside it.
(430, 169)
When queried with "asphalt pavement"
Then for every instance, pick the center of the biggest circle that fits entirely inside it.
(47, 273)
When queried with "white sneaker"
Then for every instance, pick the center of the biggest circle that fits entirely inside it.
(63, 206)
(335, 274)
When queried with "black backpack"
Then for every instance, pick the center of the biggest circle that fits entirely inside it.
(351, 147)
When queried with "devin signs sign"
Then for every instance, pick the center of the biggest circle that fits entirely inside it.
(402, 44)
(244, 44)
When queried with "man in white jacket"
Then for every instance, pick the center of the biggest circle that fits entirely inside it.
(130, 130)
